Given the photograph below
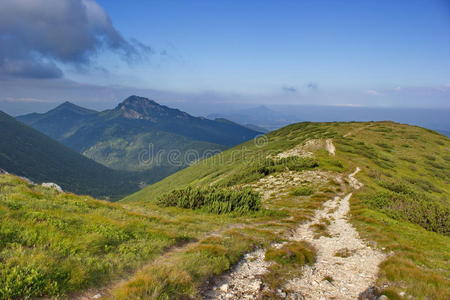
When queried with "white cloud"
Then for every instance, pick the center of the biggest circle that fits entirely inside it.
(37, 34)
(373, 93)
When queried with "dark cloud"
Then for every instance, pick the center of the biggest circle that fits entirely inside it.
(34, 34)
(289, 89)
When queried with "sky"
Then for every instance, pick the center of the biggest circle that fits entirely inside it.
(378, 53)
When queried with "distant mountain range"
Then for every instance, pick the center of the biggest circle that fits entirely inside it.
(261, 117)
(277, 116)
(31, 154)
(139, 134)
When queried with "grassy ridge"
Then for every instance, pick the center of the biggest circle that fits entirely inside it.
(53, 244)
(403, 206)
(78, 242)
(233, 164)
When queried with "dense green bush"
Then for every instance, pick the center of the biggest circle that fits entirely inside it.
(213, 200)
(401, 200)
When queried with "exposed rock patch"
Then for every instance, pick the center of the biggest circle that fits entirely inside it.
(308, 148)
(330, 147)
(280, 183)
(243, 281)
(53, 186)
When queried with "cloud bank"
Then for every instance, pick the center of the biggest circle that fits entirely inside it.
(35, 35)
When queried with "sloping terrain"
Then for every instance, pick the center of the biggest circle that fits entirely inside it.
(138, 128)
(59, 122)
(296, 214)
(29, 153)
(402, 209)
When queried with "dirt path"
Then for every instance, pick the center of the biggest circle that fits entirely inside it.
(349, 264)
(105, 291)
(348, 275)
(307, 148)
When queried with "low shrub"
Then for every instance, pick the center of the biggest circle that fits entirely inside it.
(213, 200)
(402, 201)
(423, 184)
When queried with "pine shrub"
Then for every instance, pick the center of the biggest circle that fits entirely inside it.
(213, 200)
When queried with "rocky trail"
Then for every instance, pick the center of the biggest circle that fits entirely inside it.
(349, 264)
(346, 266)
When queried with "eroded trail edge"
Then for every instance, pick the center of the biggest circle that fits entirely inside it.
(345, 267)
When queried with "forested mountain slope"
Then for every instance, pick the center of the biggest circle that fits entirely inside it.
(29, 153)
(137, 127)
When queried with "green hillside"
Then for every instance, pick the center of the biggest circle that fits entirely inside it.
(29, 153)
(171, 239)
(404, 206)
(119, 137)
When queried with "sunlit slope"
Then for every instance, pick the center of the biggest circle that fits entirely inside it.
(53, 244)
(419, 156)
(403, 208)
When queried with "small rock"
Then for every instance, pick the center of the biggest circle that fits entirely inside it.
(402, 294)
(224, 287)
(296, 296)
(97, 296)
(53, 186)
(383, 297)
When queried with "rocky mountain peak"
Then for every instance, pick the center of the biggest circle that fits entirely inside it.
(135, 107)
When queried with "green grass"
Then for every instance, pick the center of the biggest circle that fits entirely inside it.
(299, 253)
(52, 244)
(413, 225)
(405, 209)
(304, 190)
(269, 166)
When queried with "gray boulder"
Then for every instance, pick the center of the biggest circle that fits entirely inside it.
(53, 186)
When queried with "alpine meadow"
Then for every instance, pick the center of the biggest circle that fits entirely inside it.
(224, 150)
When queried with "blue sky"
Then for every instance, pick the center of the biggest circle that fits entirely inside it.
(253, 45)
(353, 52)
